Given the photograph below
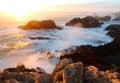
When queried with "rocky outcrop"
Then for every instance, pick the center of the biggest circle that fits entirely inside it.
(20, 74)
(113, 31)
(116, 18)
(68, 72)
(45, 24)
(105, 18)
(93, 75)
(87, 22)
(90, 55)
(73, 73)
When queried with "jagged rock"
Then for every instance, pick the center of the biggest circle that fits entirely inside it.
(73, 73)
(45, 24)
(88, 55)
(45, 78)
(87, 22)
(113, 31)
(96, 56)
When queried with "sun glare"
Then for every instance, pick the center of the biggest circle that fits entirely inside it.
(20, 8)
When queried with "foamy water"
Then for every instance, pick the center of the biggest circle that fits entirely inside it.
(17, 47)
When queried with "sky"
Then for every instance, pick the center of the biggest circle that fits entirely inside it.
(20, 8)
(31, 5)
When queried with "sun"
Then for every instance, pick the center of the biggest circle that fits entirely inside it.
(20, 8)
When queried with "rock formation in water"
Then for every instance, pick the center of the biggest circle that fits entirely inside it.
(104, 18)
(116, 18)
(45, 24)
(87, 22)
(113, 31)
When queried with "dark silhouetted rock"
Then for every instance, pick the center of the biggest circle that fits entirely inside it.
(20, 68)
(87, 22)
(90, 55)
(113, 31)
(40, 38)
(45, 24)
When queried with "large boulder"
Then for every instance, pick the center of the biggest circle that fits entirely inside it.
(68, 72)
(45, 24)
(117, 18)
(73, 73)
(45, 78)
(113, 31)
(58, 70)
(104, 18)
(93, 75)
(87, 22)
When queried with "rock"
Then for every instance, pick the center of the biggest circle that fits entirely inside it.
(105, 18)
(117, 18)
(62, 64)
(88, 55)
(113, 31)
(45, 24)
(45, 78)
(93, 75)
(96, 56)
(40, 38)
(87, 22)
(58, 76)
(20, 68)
(73, 73)
(58, 70)
(11, 81)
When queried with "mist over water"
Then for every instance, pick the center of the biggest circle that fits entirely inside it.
(16, 47)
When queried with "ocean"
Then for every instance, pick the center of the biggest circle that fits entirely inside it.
(17, 47)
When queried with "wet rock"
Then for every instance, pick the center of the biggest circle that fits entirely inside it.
(113, 31)
(45, 78)
(87, 22)
(45, 24)
(40, 38)
(73, 73)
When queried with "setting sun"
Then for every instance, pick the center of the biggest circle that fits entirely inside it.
(19, 8)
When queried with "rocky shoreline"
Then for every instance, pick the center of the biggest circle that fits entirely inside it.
(84, 64)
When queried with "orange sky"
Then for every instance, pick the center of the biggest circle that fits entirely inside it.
(19, 9)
